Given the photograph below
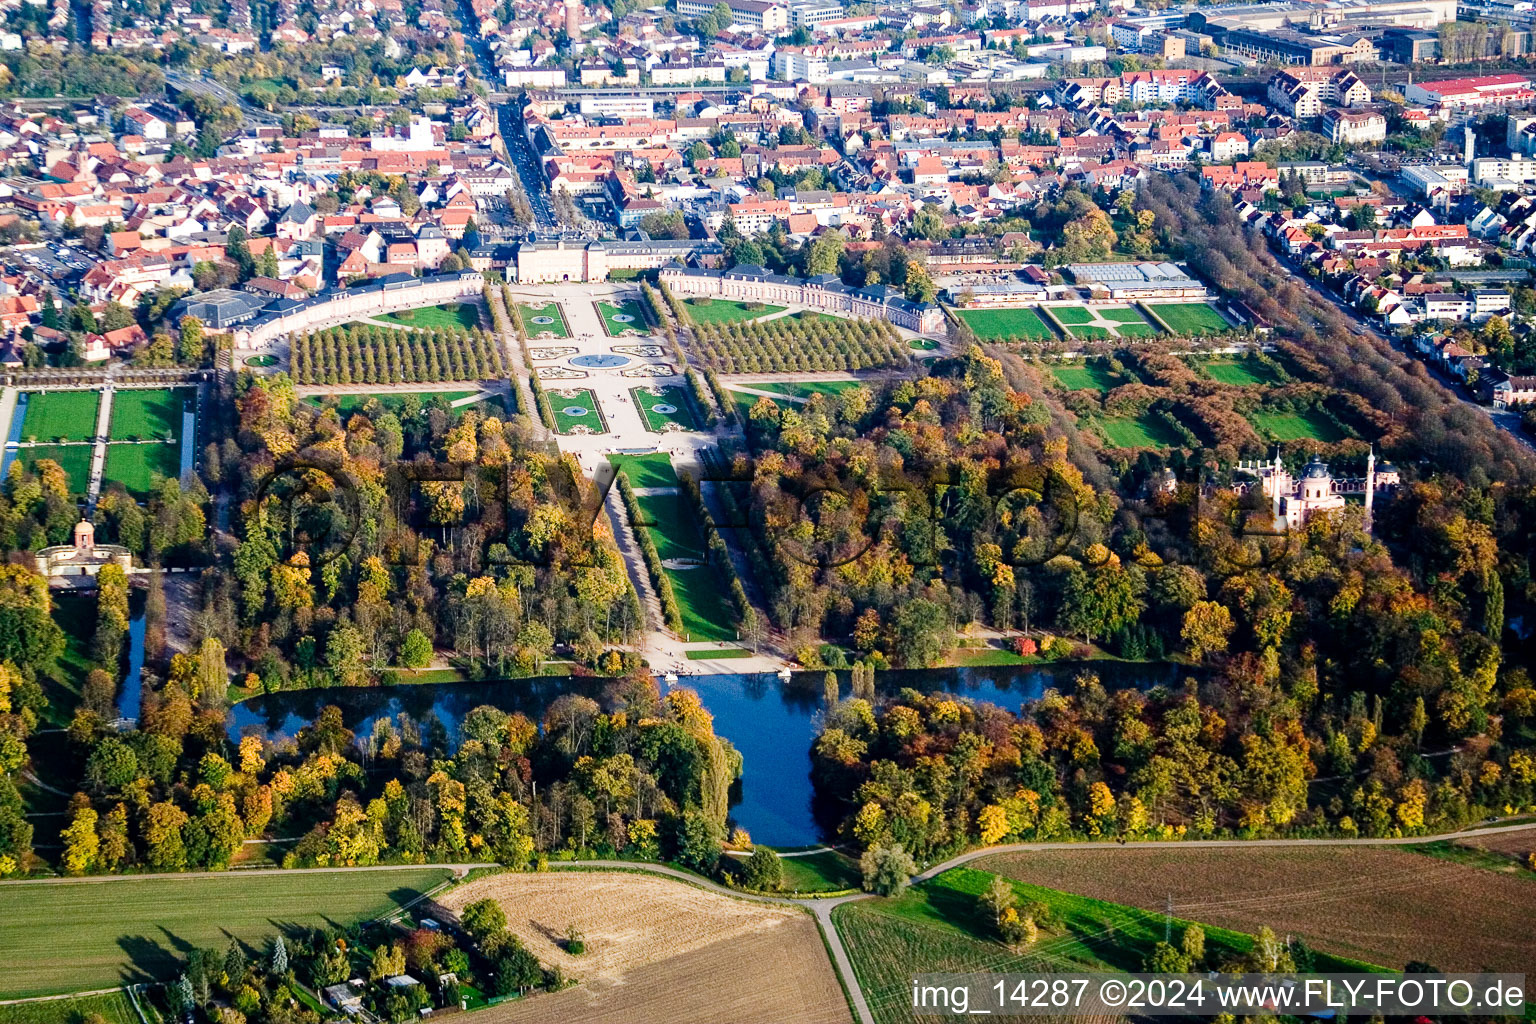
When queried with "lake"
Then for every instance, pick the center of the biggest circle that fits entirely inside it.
(772, 722)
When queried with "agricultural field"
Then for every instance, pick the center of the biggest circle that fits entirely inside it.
(139, 928)
(142, 414)
(1509, 853)
(671, 409)
(652, 470)
(1003, 324)
(725, 311)
(1238, 372)
(60, 416)
(1090, 375)
(1297, 426)
(938, 926)
(1144, 431)
(626, 316)
(136, 466)
(1382, 905)
(112, 1007)
(660, 952)
(462, 314)
(535, 317)
(1190, 317)
(577, 412)
(73, 459)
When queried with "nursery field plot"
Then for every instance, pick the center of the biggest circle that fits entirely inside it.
(142, 414)
(136, 466)
(1297, 426)
(1144, 431)
(1002, 324)
(545, 319)
(1071, 314)
(1190, 317)
(626, 316)
(60, 416)
(660, 951)
(73, 459)
(1091, 376)
(462, 314)
(726, 311)
(1239, 372)
(574, 413)
(671, 408)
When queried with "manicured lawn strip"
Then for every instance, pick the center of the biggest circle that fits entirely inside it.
(1297, 426)
(1121, 315)
(821, 872)
(923, 344)
(704, 603)
(671, 522)
(142, 414)
(652, 470)
(113, 1007)
(261, 361)
(1190, 317)
(718, 654)
(675, 397)
(988, 657)
(60, 415)
(810, 314)
(1071, 314)
(73, 459)
(584, 399)
(1091, 375)
(1238, 372)
(136, 465)
(72, 936)
(726, 311)
(1144, 431)
(463, 314)
(997, 324)
(1141, 330)
(607, 311)
(550, 309)
(1092, 333)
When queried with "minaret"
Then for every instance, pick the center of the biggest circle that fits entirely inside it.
(1274, 489)
(1370, 486)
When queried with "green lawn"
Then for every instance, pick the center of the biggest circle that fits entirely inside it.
(261, 361)
(653, 470)
(923, 344)
(701, 593)
(813, 315)
(718, 654)
(1141, 330)
(1090, 375)
(821, 872)
(671, 406)
(1071, 314)
(462, 314)
(1239, 372)
(113, 1007)
(1121, 315)
(1144, 431)
(60, 416)
(669, 516)
(1297, 426)
(725, 311)
(986, 658)
(608, 312)
(143, 414)
(590, 415)
(996, 324)
(74, 459)
(1091, 333)
(77, 935)
(1190, 317)
(347, 405)
(556, 325)
(135, 466)
(782, 391)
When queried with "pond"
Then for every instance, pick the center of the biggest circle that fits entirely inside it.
(771, 722)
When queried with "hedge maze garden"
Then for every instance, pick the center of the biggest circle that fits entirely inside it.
(366, 354)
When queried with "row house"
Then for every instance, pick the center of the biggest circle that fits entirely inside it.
(1302, 92)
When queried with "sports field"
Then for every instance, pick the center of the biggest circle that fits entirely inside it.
(1297, 426)
(78, 935)
(580, 411)
(1001, 324)
(627, 316)
(653, 470)
(670, 407)
(146, 413)
(462, 314)
(1090, 375)
(1071, 314)
(1190, 317)
(135, 466)
(73, 459)
(1144, 431)
(550, 311)
(1239, 372)
(60, 416)
(725, 311)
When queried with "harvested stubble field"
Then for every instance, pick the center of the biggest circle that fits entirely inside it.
(661, 951)
(1378, 904)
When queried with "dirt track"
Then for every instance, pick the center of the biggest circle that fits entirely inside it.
(1379, 904)
(662, 951)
